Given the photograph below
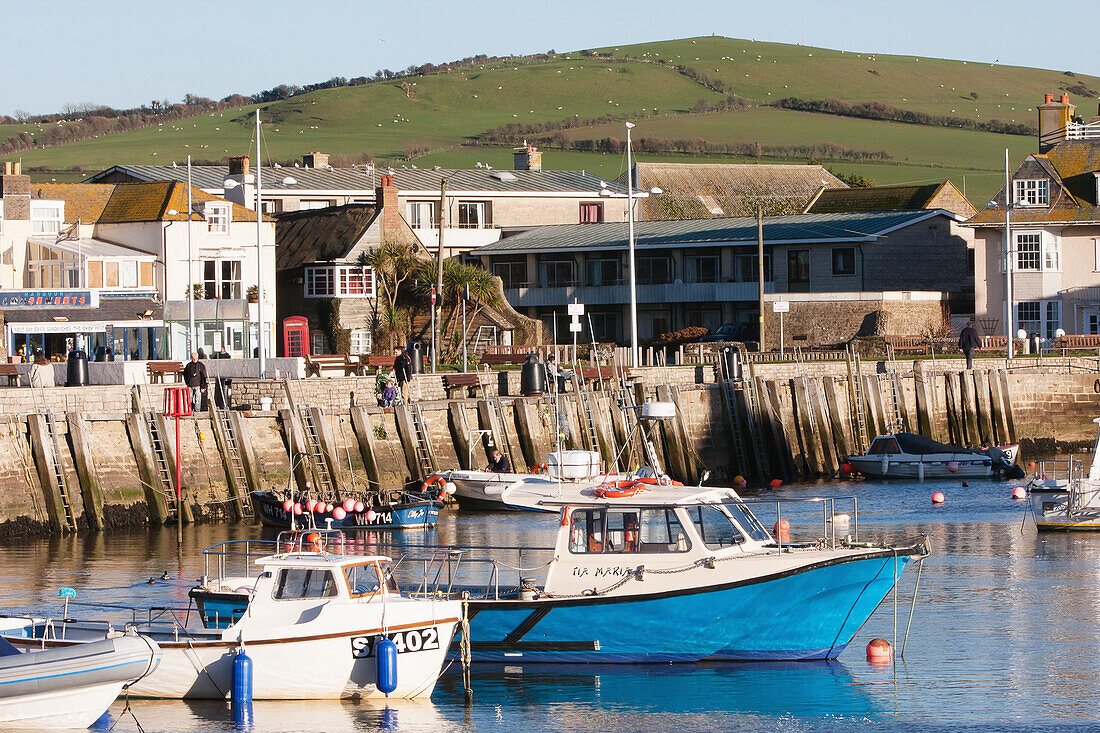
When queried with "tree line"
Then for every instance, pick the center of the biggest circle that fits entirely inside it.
(890, 113)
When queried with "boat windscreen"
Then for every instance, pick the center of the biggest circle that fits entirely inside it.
(920, 445)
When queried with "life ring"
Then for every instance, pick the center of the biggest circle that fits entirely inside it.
(661, 481)
(619, 491)
(539, 468)
(434, 479)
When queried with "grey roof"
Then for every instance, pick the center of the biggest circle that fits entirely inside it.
(364, 180)
(848, 227)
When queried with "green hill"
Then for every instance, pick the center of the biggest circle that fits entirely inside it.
(446, 113)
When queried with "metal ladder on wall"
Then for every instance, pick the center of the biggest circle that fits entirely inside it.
(729, 398)
(54, 459)
(634, 422)
(755, 428)
(326, 486)
(425, 454)
(224, 425)
(585, 397)
(855, 400)
(160, 458)
(896, 423)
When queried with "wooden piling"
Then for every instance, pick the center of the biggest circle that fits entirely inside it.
(168, 441)
(675, 437)
(926, 407)
(296, 446)
(875, 412)
(147, 468)
(836, 419)
(1010, 409)
(403, 417)
(460, 433)
(824, 437)
(955, 431)
(902, 408)
(969, 410)
(364, 436)
(997, 409)
(249, 463)
(80, 448)
(982, 402)
(41, 449)
(793, 455)
(811, 449)
(526, 431)
(328, 447)
(772, 429)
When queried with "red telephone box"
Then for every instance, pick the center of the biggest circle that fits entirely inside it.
(296, 336)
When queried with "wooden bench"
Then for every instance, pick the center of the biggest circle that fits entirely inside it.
(376, 361)
(158, 370)
(462, 380)
(334, 362)
(594, 376)
(1086, 341)
(502, 359)
(11, 371)
(909, 344)
(993, 345)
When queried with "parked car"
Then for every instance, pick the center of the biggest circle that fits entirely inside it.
(731, 332)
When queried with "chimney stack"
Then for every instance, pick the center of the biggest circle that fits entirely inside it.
(527, 158)
(15, 192)
(1054, 117)
(238, 165)
(385, 198)
(315, 160)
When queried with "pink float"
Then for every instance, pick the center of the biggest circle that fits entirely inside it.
(938, 497)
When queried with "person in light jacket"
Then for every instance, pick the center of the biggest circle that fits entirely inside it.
(41, 372)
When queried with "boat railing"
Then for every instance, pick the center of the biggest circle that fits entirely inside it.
(238, 555)
(112, 617)
(832, 521)
(449, 571)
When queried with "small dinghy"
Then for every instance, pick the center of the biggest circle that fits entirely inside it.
(70, 687)
(908, 455)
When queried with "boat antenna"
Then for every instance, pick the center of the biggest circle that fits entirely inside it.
(554, 405)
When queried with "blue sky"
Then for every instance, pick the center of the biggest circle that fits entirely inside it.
(125, 53)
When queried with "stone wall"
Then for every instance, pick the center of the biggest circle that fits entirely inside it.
(826, 322)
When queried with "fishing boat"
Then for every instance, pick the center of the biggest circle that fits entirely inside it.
(908, 455)
(310, 621)
(667, 576)
(1063, 498)
(393, 510)
(70, 687)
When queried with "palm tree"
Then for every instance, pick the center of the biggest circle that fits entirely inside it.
(393, 264)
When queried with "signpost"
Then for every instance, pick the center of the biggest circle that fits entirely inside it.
(575, 310)
(177, 404)
(781, 307)
(433, 329)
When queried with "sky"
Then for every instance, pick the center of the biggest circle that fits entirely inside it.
(125, 53)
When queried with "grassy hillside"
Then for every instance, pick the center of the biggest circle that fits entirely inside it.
(441, 113)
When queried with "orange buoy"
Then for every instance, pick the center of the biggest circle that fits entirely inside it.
(1031, 464)
(775, 483)
(938, 497)
(782, 530)
(1019, 493)
(879, 651)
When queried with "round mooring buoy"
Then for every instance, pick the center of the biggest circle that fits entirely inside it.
(879, 651)
(781, 530)
(938, 497)
(1019, 493)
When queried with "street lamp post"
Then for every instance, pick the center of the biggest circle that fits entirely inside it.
(635, 350)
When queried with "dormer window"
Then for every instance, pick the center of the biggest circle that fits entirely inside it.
(47, 217)
(217, 218)
(1033, 192)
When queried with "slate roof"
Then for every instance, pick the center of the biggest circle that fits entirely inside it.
(874, 198)
(320, 235)
(1072, 166)
(83, 202)
(808, 228)
(704, 190)
(363, 180)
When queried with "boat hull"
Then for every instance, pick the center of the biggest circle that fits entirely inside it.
(811, 612)
(72, 708)
(908, 467)
(411, 515)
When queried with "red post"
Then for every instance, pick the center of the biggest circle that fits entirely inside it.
(177, 404)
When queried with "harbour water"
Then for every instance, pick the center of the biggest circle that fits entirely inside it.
(1004, 635)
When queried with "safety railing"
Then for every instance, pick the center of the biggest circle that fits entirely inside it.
(830, 519)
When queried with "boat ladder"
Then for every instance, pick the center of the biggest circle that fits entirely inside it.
(425, 454)
(855, 401)
(160, 457)
(635, 423)
(325, 485)
(224, 426)
(54, 459)
(755, 428)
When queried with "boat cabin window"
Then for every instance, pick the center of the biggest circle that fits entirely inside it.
(363, 580)
(748, 521)
(884, 445)
(294, 583)
(714, 527)
(626, 530)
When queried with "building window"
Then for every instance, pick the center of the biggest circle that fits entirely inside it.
(217, 218)
(339, 281)
(47, 217)
(701, 268)
(513, 273)
(421, 214)
(1027, 251)
(708, 318)
(844, 261)
(970, 261)
(309, 204)
(1035, 192)
(1053, 318)
(603, 271)
(318, 343)
(1052, 254)
(654, 271)
(221, 279)
(473, 215)
(359, 341)
(1029, 315)
(744, 268)
(605, 326)
(798, 270)
(591, 212)
(558, 273)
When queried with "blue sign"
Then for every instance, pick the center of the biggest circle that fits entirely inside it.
(66, 593)
(48, 298)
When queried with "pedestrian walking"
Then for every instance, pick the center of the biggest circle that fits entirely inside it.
(402, 369)
(969, 342)
(194, 376)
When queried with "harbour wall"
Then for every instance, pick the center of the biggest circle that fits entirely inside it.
(101, 457)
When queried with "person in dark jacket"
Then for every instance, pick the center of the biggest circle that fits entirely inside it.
(969, 342)
(498, 462)
(402, 369)
(194, 376)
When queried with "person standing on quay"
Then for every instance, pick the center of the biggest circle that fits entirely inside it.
(402, 369)
(969, 342)
(194, 376)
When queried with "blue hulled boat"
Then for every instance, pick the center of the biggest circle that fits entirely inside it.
(405, 511)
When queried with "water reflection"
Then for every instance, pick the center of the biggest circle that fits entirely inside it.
(1005, 630)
